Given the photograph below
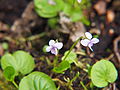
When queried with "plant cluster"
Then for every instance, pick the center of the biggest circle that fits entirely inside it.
(72, 9)
(20, 63)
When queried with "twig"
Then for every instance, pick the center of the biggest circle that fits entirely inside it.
(110, 57)
(31, 38)
(61, 82)
(116, 48)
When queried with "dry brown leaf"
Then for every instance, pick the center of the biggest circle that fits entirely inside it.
(100, 7)
(3, 27)
(110, 16)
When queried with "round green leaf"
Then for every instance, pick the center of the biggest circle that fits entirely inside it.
(9, 73)
(21, 61)
(71, 57)
(37, 81)
(102, 73)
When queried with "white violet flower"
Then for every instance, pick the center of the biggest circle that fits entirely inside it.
(79, 1)
(54, 47)
(89, 41)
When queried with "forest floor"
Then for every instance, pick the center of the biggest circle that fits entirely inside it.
(22, 29)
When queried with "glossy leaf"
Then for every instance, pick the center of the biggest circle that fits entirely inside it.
(21, 61)
(37, 81)
(102, 73)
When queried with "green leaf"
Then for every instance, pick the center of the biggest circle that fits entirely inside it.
(71, 57)
(9, 73)
(64, 65)
(44, 48)
(5, 45)
(21, 61)
(75, 13)
(45, 14)
(102, 73)
(37, 81)
(52, 22)
(46, 10)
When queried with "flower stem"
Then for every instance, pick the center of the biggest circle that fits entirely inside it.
(72, 47)
(15, 84)
(85, 88)
(55, 60)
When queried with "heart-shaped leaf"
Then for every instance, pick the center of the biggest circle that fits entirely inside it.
(102, 73)
(21, 61)
(37, 81)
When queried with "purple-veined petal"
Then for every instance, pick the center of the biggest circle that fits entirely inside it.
(88, 35)
(48, 49)
(54, 51)
(58, 45)
(90, 46)
(51, 42)
(95, 40)
(79, 1)
(85, 42)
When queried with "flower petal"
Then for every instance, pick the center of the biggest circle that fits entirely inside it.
(90, 46)
(88, 35)
(54, 51)
(58, 45)
(95, 40)
(51, 42)
(79, 1)
(85, 42)
(48, 49)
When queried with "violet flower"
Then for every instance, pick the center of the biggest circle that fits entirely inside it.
(54, 47)
(89, 41)
(79, 1)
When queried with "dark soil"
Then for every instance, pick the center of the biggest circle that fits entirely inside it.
(29, 25)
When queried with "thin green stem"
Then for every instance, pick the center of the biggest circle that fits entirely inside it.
(31, 38)
(55, 60)
(73, 3)
(85, 88)
(15, 84)
(72, 47)
(74, 78)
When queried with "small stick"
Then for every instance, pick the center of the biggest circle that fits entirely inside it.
(116, 51)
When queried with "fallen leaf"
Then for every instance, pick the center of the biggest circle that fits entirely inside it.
(110, 16)
(100, 7)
